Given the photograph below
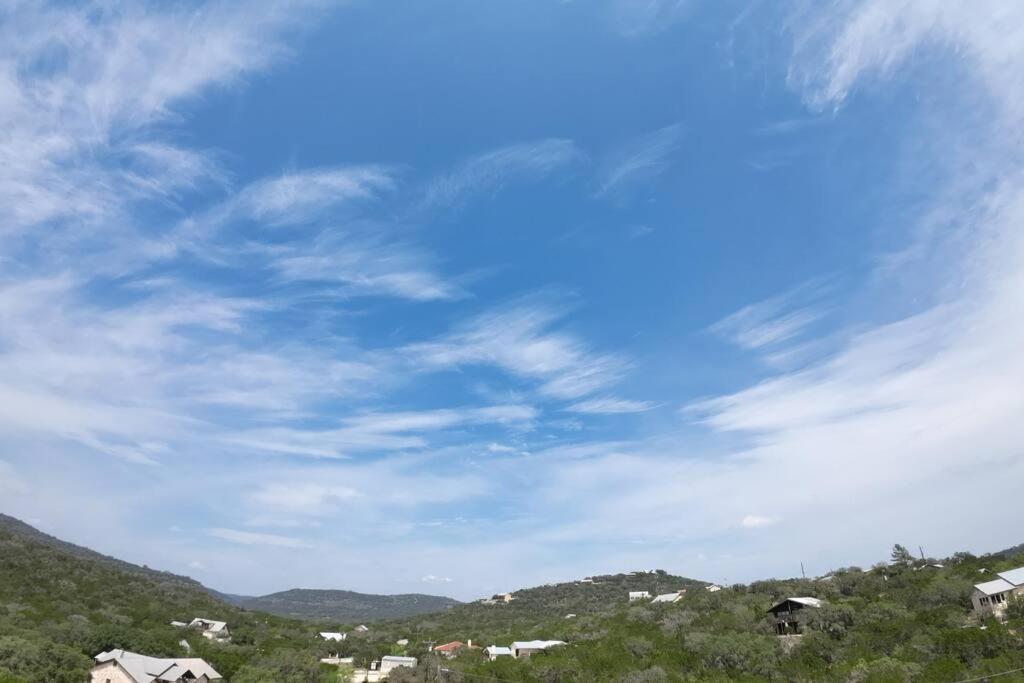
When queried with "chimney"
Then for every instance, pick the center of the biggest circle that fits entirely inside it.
(469, 643)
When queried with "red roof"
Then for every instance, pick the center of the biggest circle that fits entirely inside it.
(450, 647)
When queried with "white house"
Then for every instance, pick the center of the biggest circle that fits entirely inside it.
(525, 648)
(495, 651)
(362, 628)
(788, 614)
(390, 662)
(638, 595)
(332, 635)
(993, 596)
(118, 666)
(712, 588)
(669, 597)
(212, 630)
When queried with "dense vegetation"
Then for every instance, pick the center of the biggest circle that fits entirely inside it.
(61, 604)
(899, 621)
(344, 606)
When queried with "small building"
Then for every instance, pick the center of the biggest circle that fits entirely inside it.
(451, 649)
(362, 628)
(992, 597)
(495, 651)
(119, 666)
(787, 614)
(332, 635)
(179, 624)
(503, 597)
(669, 597)
(402, 642)
(712, 588)
(211, 629)
(526, 648)
(389, 662)
(638, 595)
(570, 615)
(338, 661)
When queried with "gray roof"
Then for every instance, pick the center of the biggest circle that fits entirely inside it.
(498, 650)
(1014, 576)
(994, 587)
(399, 661)
(144, 669)
(208, 624)
(535, 644)
(807, 602)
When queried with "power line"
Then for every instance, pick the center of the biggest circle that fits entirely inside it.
(988, 676)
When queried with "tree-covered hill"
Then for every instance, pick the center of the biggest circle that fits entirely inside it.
(899, 621)
(344, 606)
(60, 604)
(902, 621)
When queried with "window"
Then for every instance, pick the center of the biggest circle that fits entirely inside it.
(984, 600)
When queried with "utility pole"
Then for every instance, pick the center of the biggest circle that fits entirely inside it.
(802, 572)
(921, 550)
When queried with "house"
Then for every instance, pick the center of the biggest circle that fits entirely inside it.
(389, 662)
(451, 649)
(362, 628)
(179, 624)
(338, 661)
(712, 588)
(787, 614)
(503, 597)
(495, 651)
(991, 597)
(119, 666)
(526, 648)
(402, 642)
(332, 635)
(212, 630)
(570, 615)
(669, 597)
(638, 595)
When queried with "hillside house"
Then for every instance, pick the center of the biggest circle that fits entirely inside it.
(389, 662)
(526, 648)
(787, 614)
(495, 651)
(668, 598)
(712, 588)
(638, 595)
(992, 597)
(119, 666)
(211, 630)
(332, 635)
(362, 628)
(453, 648)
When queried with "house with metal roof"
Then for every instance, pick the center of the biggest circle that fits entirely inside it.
(638, 595)
(211, 629)
(992, 597)
(131, 667)
(389, 662)
(495, 651)
(669, 597)
(526, 648)
(788, 617)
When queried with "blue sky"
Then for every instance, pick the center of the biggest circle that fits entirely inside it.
(457, 297)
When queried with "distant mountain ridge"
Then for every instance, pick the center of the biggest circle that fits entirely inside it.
(334, 605)
(340, 605)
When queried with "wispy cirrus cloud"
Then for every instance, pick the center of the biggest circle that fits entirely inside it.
(638, 161)
(254, 538)
(521, 340)
(372, 432)
(609, 405)
(489, 172)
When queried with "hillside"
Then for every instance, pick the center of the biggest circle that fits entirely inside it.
(343, 606)
(908, 621)
(61, 603)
